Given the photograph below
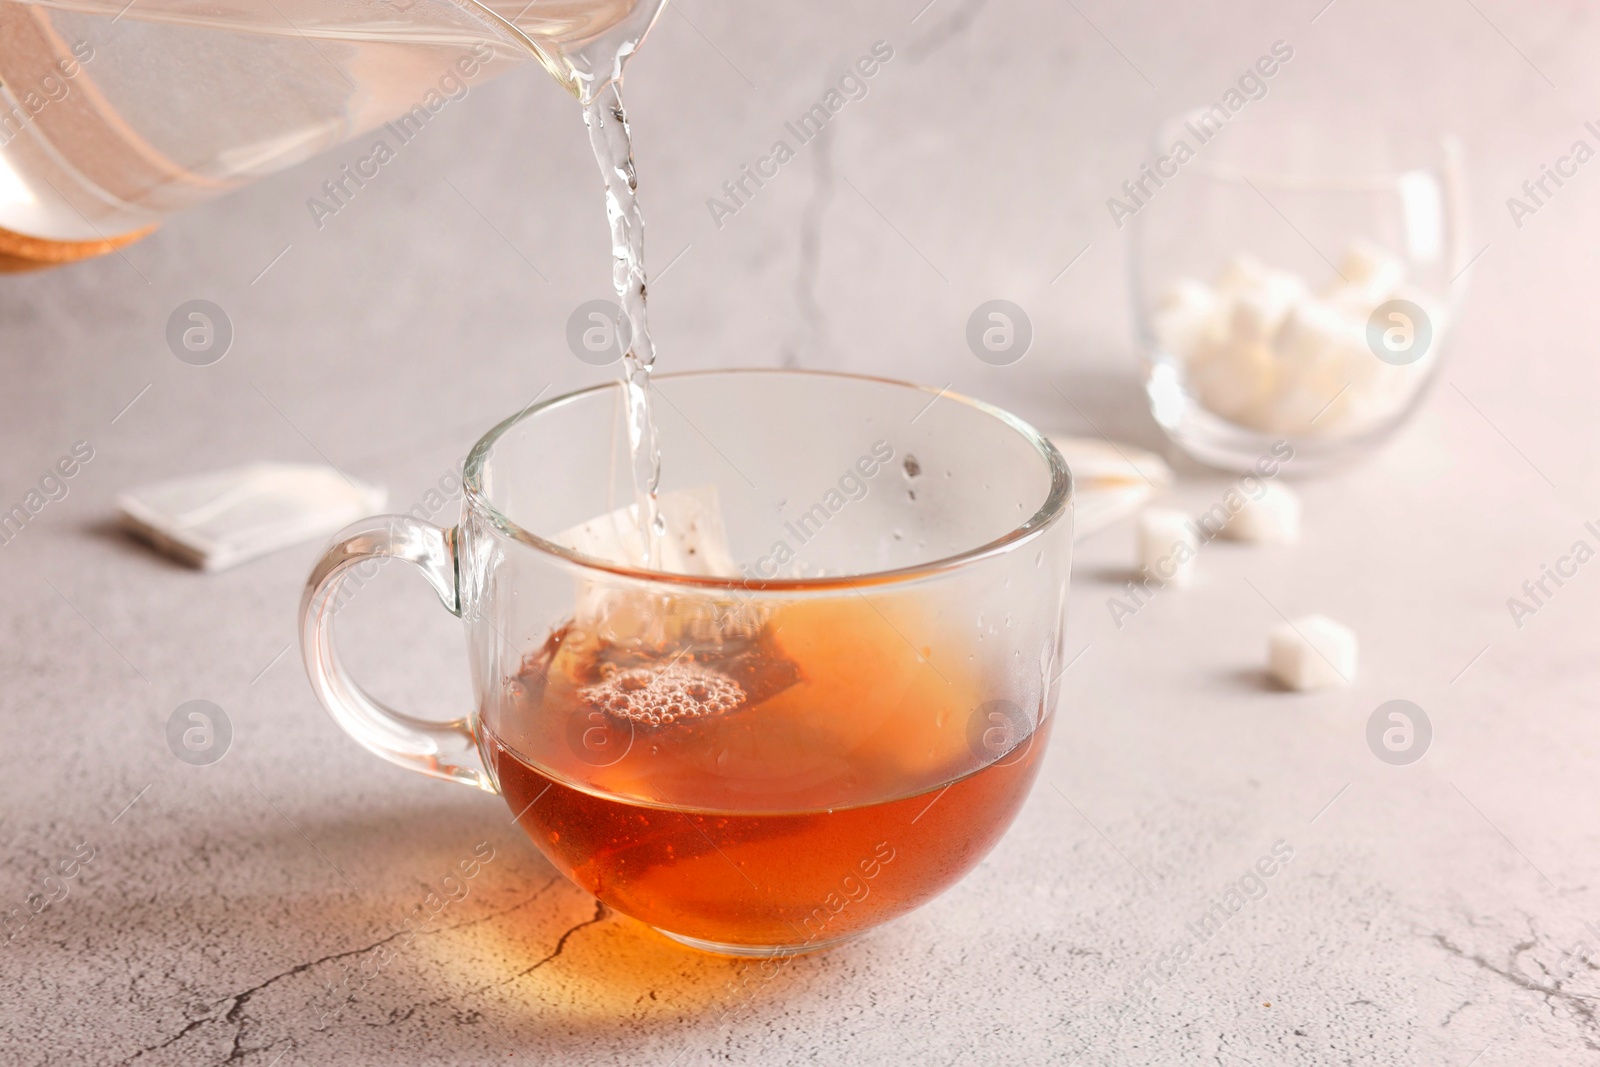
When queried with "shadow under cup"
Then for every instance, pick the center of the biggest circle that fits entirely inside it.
(827, 718)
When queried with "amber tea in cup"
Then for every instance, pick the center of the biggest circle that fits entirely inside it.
(830, 711)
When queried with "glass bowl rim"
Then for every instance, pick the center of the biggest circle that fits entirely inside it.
(1446, 161)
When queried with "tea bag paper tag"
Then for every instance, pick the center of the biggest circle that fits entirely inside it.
(1109, 481)
(216, 520)
(696, 542)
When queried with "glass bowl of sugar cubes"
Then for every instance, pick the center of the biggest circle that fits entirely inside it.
(1293, 281)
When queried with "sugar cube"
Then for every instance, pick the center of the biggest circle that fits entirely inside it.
(1258, 312)
(1187, 319)
(1261, 350)
(1371, 270)
(1270, 517)
(1242, 274)
(1233, 377)
(1312, 652)
(1167, 546)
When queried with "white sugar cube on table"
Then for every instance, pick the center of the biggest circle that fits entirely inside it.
(1167, 546)
(1312, 652)
(1271, 517)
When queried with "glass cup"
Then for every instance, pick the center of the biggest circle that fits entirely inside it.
(826, 707)
(1293, 280)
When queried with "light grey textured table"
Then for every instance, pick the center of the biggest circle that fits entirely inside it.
(1431, 914)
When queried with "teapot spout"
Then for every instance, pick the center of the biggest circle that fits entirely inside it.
(94, 153)
(589, 56)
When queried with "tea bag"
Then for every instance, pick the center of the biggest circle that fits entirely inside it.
(695, 543)
(672, 655)
(222, 518)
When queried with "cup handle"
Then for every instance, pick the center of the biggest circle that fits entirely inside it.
(442, 749)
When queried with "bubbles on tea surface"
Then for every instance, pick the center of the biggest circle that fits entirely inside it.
(680, 691)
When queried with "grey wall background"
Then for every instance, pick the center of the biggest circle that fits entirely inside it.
(990, 143)
(1413, 930)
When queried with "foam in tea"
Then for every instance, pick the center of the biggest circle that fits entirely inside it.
(798, 778)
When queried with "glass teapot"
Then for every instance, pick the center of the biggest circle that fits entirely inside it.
(117, 113)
